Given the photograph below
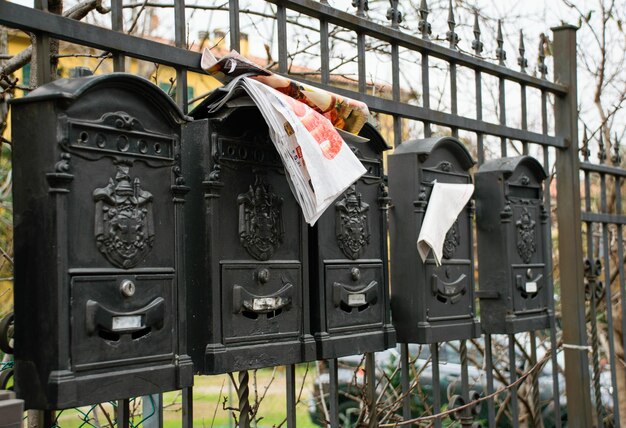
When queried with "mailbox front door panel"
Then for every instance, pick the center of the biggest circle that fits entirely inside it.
(261, 301)
(356, 299)
(529, 294)
(450, 285)
(121, 317)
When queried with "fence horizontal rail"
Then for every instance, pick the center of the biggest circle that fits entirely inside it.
(394, 36)
(603, 218)
(603, 169)
(70, 30)
(444, 119)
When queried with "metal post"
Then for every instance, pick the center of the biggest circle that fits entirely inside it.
(370, 376)
(123, 413)
(188, 406)
(333, 392)
(578, 387)
(117, 24)
(291, 395)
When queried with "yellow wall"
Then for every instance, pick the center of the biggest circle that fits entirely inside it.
(162, 76)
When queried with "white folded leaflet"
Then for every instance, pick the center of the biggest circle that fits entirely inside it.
(446, 202)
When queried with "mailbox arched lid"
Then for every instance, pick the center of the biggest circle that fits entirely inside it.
(430, 146)
(376, 141)
(74, 88)
(508, 166)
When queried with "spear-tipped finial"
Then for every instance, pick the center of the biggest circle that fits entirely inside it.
(500, 52)
(477, 45)
(585, 148)
(394, 14)
(616, 158)
(451, 35)
(601, 149)
(424, 26)
(361, 7)
(542, 67)
(521, 60)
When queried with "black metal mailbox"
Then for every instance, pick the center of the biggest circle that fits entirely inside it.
(349, 273)
(247, 248)
(512, 236)
(98, 201)
(430, 303)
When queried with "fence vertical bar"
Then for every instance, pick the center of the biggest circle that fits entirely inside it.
(553, 343)
(180, 39)
(361, 62)
(396, 17)
(117, 24)
(333, 392)
(123, 413)
(512, 379)
(426, 92)
(434, 352)
(370, 376)
(281, 17)
(491, 408)
(291, 395)
(609, 304)
(41, 52)
(188, 407)
(233, 13)
(577, 380)
(404, 379)
(324, 51)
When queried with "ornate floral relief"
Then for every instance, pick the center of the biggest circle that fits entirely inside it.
(526, 240)
(451, 241)
(124, 227)
(351, 224)
(260, 220)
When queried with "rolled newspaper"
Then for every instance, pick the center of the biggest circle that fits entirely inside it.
(343, 112)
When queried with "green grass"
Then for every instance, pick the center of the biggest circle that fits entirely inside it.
(209, 405)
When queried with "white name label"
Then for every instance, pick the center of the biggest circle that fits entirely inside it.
(264, 303)
(531, 287)
(356, 299)
(126, 322)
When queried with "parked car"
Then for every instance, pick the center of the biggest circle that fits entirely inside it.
(351, 380)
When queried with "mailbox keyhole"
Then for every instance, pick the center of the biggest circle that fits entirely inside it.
(127, 288)
(263, 276)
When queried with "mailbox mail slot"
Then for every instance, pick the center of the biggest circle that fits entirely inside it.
(430, 303)
(512, 225)
(246, 248)
(349, 287)
(98, 238)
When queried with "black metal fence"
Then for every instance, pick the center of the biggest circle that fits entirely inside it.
(513, 366)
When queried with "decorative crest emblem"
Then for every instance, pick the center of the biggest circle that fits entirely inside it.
(451, 241)
(526, 245)
(124, 226)
(260, 220)
(351, 224)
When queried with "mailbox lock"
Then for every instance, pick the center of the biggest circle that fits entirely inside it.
(263, 276)
(356, 274)
(127, 288)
